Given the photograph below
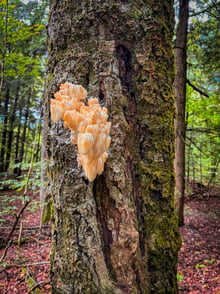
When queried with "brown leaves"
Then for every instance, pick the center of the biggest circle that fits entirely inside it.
(199, 256)
(27, 266)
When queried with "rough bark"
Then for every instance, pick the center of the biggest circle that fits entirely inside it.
(180, 101)
(118, 234)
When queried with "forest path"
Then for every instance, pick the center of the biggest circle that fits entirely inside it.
(27, 267)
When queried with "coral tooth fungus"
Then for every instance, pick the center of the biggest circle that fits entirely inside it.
(88, 124)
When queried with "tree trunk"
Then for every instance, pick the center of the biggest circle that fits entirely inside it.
(37, 155)
(44, 178)
(5, 130)
(180, 96)
(17, 141)
(23, 136)
(11, 130)
(118, 234)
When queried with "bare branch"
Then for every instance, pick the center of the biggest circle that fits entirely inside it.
(5, 251)
(204, 10)
(204, 130)
(23, 265)
(38, 285)
(188, 138)
(197, 89)
(19, 214)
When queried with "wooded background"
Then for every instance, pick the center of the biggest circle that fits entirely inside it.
(23, 58)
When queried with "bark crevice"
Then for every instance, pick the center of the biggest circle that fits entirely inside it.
(103, 203)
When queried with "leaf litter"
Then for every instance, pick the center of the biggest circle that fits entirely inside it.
(199, 264)
(25, 268)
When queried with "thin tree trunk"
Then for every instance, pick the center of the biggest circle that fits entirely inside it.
(5, 130)
(18, 134)
(23, 136)
(214, 169)
(200, 164)
(11, 131)
(44, 178)
(193, 174)
(118, 234)
(180, 96)
(189, 155)
(37, 155)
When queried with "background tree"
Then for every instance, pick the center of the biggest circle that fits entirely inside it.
(196, 88)
(118, 234)
(180, 53)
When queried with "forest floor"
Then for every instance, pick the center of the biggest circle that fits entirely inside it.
(199, 257)
(25, 269)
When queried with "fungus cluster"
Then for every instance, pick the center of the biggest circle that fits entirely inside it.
(88, 124)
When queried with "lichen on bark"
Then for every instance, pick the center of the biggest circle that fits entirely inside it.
(118, 234)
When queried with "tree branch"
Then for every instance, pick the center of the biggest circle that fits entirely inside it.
(30, 228)
(5, 251)
(193, 143)
(38, 285)
(17, 219)
(197, 89)
(204, 130)
(203, 11)
(8, 266)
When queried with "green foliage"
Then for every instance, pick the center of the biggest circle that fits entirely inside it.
(209, 261)
(179, 277)
(6, 208)
(204, 38)
(22, 59)
(20, 37)
(19, 183)
(199, 265)
(9, 201)
(206, 262)
(30, 280)
(202, 109)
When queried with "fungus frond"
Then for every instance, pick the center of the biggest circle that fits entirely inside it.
(88, 124)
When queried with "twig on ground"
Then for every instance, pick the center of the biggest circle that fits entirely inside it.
(5, 251)
(29, 228)
(19, 214)
(37, 285)
(23, 265)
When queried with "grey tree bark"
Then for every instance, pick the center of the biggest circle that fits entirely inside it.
(180, 101)
(118, 234)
